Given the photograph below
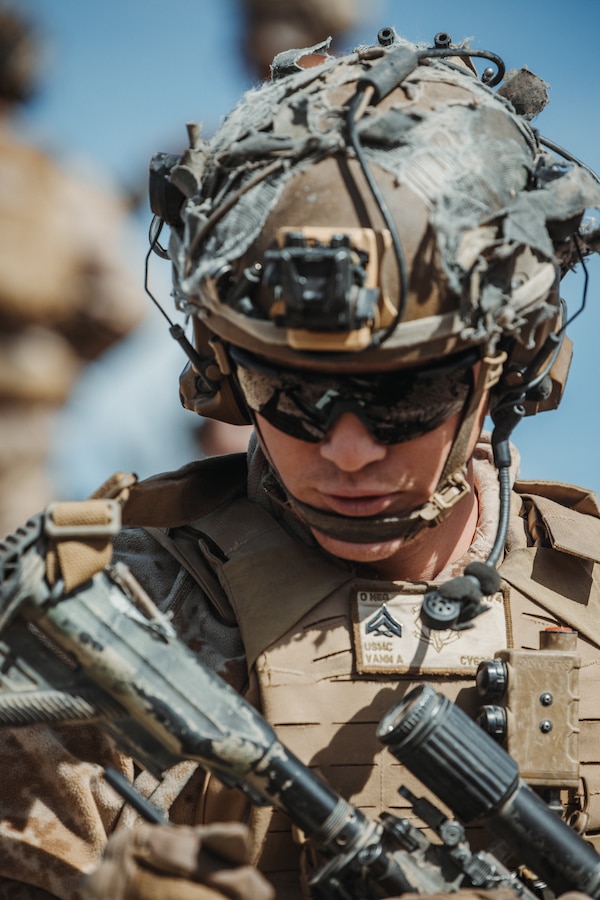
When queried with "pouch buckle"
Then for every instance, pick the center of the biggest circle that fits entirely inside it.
(80, 531)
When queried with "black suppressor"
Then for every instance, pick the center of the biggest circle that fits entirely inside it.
(469, 772)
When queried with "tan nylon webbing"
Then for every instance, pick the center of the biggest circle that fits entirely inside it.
(81, 532)
(81, 536)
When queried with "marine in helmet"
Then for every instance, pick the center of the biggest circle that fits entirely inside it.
(370, 251)
(379, 242)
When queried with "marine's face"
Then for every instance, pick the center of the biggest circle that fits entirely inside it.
(351, 473)
(369, 446)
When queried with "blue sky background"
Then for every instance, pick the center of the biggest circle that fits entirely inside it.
(124, 76)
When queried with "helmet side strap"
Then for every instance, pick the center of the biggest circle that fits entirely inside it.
(489, 372)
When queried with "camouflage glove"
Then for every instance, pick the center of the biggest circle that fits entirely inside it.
(153, 862)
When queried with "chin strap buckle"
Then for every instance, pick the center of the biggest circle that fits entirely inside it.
(446, 497)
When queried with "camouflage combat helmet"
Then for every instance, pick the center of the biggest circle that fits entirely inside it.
(389, 210)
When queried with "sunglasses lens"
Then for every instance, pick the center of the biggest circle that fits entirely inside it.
(394, 406)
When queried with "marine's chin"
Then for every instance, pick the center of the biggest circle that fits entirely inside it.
(358, 552)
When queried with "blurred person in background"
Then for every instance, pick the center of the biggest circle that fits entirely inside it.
(271, 27)
(66, 294)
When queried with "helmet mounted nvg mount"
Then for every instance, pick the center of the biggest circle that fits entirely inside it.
(385, 210)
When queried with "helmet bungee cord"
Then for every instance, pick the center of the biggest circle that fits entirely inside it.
(360, 234)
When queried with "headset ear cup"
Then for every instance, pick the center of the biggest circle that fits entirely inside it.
(555, 382)
(212, 392)
(222, 401)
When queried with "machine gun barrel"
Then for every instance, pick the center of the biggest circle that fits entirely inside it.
(119, 656)
(478, 780)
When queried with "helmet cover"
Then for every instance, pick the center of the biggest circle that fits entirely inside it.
(485, 218)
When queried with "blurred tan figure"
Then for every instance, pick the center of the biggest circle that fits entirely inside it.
(272, 26)
(65, 293)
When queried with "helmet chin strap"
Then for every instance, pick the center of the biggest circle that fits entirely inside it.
(452, 486)
(376, 529)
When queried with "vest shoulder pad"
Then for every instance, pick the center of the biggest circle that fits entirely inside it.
(173, 499)
(570, 515)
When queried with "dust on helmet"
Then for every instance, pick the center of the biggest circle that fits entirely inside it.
(384, 211)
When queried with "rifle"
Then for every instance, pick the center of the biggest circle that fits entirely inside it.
(104, 653)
